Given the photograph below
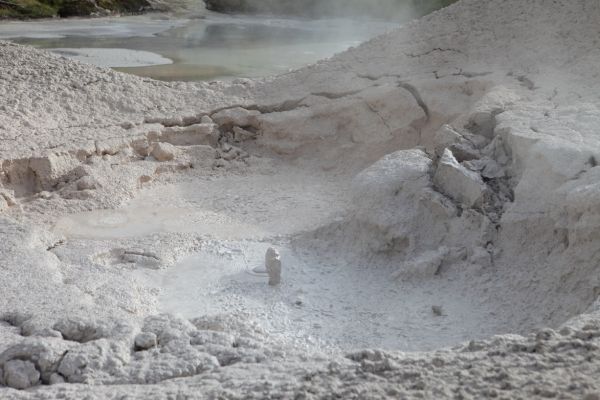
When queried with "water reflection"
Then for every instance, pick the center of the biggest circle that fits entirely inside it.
(223, 47)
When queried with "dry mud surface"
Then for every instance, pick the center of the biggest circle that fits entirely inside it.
(433, 193)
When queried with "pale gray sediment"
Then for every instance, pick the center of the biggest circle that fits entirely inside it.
(470, 224)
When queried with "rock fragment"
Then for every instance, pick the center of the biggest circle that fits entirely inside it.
(448, 138)
(86, 183)
(482, 120)
(94, 361)
(196, 134)
(426, 265)
(56, 379)
(3, 204)
(273, 265)
(19, 374)
(241, 134)
(459, 183)
(480, 256)
(45, 354)
(7, 199)
(437, 311)
(464, 151)
(145, 341)
(445, 137)
(237, 116)
(230, 153)
(163, 152)
(206, 120)
(79, 331)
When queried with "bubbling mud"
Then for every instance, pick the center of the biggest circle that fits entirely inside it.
(324, 302)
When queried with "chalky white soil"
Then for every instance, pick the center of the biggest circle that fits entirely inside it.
(113, 57)
(434, 194)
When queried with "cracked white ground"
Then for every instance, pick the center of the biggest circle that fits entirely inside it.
(433, 194)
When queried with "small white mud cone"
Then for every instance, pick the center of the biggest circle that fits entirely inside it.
(273, 266)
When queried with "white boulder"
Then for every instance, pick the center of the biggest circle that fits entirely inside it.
(19, 374)
(459, 183)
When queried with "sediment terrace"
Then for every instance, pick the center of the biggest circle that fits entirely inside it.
(434, 190)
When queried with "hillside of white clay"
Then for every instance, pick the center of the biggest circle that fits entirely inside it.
(434, 194)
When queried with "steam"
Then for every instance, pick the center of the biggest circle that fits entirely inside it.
(387, 9)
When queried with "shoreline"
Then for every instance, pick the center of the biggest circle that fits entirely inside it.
(84, 9)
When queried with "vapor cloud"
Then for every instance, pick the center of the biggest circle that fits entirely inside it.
(389, 9)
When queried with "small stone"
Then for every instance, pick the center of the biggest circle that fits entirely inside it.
(437, 311)
(445, 137)
(236, 116)
(141, 147)
(163, 152)
(273, 265)
(475, 346)
(86, 183)
(464, 152)
(545, 334)
(458, 183)
(206, 120)
(127, 152)
(241, 134)
(231, 153)
(220, 163)
(3, 204)
(226, 147)
(45, 195)
(493, 170)
(480, 256)
(145, 341)
(78, 330)
(487, 167)
(19, 374)
(438, 362)
(566, 331)
(56, 379)
(9, 197)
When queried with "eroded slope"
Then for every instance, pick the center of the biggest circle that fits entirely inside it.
(457, 154)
